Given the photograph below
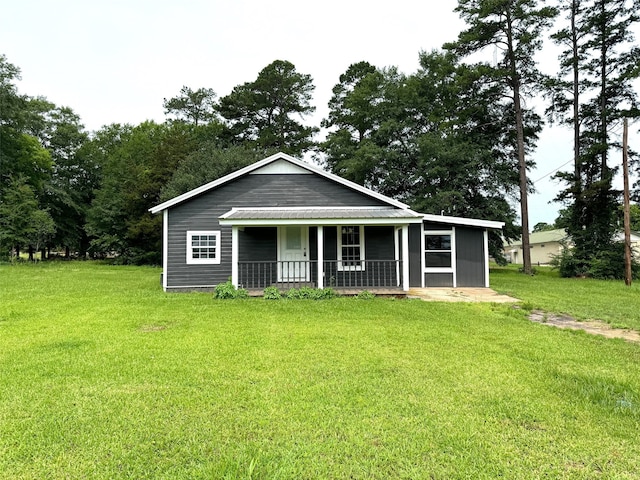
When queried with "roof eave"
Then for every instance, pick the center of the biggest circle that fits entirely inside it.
(469, 222)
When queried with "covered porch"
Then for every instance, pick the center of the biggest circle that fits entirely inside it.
(348, 249)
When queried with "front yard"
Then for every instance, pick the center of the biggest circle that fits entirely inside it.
(102, 375)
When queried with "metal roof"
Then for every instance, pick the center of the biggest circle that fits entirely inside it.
(319, 214)
(546, 236)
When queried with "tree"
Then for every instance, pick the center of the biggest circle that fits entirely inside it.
(22, 222)
(137, 163)
(263, 112)
(594, 91)
(191, 106)
(439, 139)
(354, 118)
(206, 164)
(543, 227)
(515, 27)
(21, 155)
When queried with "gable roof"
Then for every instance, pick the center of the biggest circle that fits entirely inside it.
(253, 168)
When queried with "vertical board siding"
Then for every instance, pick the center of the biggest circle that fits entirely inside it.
(439, 279)
(470, 257)
(378, 243)
(202, 212)
(258, 244)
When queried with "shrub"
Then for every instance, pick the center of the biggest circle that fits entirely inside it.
(606, 264)
(227, 290)
(272, 293)
(366, 295)
(569, 265)
(609, 264)
(310, 293)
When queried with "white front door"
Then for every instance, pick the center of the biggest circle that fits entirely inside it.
(293, 253)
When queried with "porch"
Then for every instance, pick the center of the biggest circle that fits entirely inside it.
(351, 248)
(375, 275)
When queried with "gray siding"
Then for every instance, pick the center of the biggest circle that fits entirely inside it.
(439, 280)
(258, 244)
(379, 243)
(470, 257)
(202, 212)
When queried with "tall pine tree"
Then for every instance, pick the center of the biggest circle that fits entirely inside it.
(513, 27)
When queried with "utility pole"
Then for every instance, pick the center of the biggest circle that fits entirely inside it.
(627, 220)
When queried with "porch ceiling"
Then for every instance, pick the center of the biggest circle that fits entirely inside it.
(319, 215)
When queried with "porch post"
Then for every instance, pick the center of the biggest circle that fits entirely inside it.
(234, 256)
(396, 253)
(320, 283)
(486, 258)
(405, 258)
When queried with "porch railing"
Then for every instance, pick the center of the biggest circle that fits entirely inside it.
(362, 274)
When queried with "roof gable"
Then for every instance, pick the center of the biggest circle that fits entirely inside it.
(280, 163)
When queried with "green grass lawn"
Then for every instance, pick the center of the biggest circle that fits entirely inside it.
(102, 375)
(584, 298)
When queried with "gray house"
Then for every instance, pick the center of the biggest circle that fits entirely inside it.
(284, 222)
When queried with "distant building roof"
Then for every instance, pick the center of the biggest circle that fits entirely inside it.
(559, 235)
(546, 236)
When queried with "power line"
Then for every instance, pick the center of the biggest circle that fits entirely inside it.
(552, 171)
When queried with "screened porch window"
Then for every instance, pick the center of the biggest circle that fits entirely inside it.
(351, 247)
(203, 247)
(437, 250)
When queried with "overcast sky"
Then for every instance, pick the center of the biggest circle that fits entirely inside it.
(114, 61)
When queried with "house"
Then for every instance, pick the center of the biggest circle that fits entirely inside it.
(544, 246)
(283, 222)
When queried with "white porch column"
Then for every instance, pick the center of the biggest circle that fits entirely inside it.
(405, 257)
(165, 248)
(320, 257)
(396, 253)
(486, 258)
(234, 256)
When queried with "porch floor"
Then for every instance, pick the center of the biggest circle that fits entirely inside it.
(462, 294)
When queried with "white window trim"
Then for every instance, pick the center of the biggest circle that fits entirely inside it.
(343, 268)
(452, 268)
(203, 261)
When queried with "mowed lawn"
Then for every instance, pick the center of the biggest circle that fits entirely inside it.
(583, 298)
(102, 375)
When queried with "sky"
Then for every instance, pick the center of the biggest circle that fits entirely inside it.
(115, 61)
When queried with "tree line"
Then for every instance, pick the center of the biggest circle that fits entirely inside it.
(454, 137)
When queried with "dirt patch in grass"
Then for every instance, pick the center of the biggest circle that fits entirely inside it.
(594, 327)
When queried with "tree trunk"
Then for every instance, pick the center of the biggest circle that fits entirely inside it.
(603, 91)
(31, 253)
(576, 98)
(522, 163)
(628, 273)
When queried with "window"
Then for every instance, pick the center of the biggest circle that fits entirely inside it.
(203, 247)
(351, 247)
(437, 252)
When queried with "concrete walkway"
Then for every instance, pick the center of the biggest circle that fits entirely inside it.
(459, 295)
